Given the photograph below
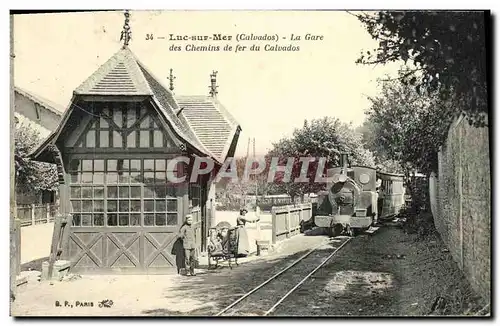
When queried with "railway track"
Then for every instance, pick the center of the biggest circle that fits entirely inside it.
(267, 296)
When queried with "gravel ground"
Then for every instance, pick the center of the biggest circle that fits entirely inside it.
(384, 274)
(387, 274)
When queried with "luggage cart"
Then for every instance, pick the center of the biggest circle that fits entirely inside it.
(223, 245)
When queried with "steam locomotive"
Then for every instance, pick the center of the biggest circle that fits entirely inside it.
(356, 198)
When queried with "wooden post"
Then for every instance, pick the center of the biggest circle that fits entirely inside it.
(32, 214)
(287, 221)
(273, 225)
(47, 216)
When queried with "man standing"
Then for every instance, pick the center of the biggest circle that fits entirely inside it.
(187, 235)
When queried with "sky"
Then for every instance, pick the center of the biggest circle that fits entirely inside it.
(269, 93)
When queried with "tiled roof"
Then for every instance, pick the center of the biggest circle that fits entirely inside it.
(202, 122)
(213, 125)
(49, 105)
(120, 75)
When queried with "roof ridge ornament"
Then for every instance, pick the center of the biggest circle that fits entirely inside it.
(126, 34)
(171, 79)
(213, 84)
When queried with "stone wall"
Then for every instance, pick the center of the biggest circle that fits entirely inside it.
(463, 201)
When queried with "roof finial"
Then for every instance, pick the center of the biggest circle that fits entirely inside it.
(126, 35)
(213, 84)
(171, 78)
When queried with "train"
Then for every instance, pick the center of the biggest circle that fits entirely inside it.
(356, 198)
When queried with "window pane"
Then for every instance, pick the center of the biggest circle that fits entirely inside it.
(158, 138)
(75, 192)
(86, 220)
(135, 192)
(135, 205)
(112, 220)
(135, 219)
(87, 177)
(112, 192)
(112, 177)
(123, 177)
(144, 138)
(123, 220)
(75, 177)
(74, 165)
(124, 192)
(104, 138)
(161, 219)
(145, 123)
(148, 191)
(149, 205)
(149, 177)
(160, 177)
(86, 192)
(117, 139)
(87, 165)
(160, 205)
(99, 219)
(131, 117)
(124, 206)
(112, 205)
(117, 117)
(123, 165)
(131, 140)
(98, 192)
(76, 220)
(171, 218)
(172, 205)
(149, 165)
(98, 206)
(99, 177)
(103, 123)
(76, 206)
(86, 206)
(111, 165)
(98, 165)
(135, 165)
(160, 165)
(149, 220)
(160, 192)
(91, 138)
(135, 177)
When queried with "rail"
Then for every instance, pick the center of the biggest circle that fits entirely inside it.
(255, 290)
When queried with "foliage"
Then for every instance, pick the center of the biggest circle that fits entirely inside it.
(31, 176)
(406, 127)
(320, 138)
(446, 49)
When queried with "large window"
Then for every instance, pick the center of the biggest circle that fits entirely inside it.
(124, 127)
(122, 192)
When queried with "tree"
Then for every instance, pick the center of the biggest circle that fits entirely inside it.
(31, 176)
(320, 138)
(446, 49)
(407, 127)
